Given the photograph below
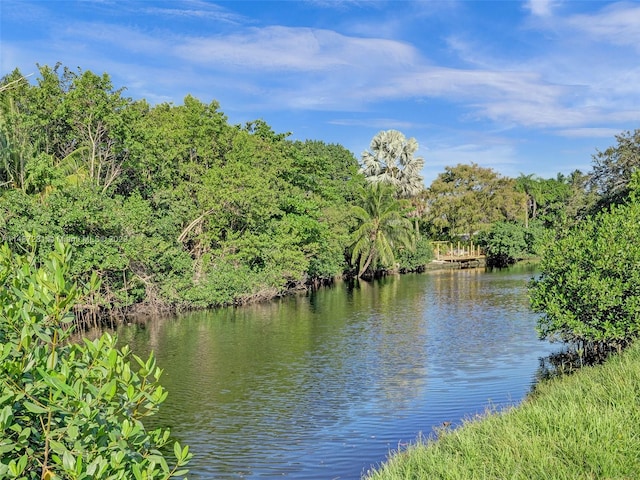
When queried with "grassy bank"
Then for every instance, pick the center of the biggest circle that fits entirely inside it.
(584, 426)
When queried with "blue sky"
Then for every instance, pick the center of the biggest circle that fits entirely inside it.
(521, 87)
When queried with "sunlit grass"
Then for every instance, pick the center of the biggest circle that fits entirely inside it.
(583, 426)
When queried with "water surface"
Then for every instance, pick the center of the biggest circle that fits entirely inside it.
(325, 385)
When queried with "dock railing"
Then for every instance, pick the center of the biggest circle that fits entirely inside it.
(450, 252)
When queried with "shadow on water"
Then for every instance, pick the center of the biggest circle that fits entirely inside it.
(573, 357)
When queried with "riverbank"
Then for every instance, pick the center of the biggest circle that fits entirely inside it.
(586, 425)
(91, 316)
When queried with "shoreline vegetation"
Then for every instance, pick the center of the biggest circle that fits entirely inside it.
(579, 426)
(584, 425)
(175, 209)
(172, 208)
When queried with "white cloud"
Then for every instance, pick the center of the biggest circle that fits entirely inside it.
(590, 132)
(98, 37)
(618, 24)
(278, 48)
(377, 123)
(298, 68)
(317, 69)
(541, 8)
(194, 9)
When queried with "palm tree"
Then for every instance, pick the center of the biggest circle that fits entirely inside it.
(381, 227)
(530, 185)
(391, 161)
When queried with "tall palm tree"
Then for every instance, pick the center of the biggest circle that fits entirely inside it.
(391, 161)
(531, 186)
(381, 227)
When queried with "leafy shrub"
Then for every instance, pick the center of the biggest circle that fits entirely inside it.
(504, 244)
(589, 287)
(70, 409)
(411, 261)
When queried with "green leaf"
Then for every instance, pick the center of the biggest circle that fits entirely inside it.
(135, 468)
(68, 461)
(7, 447)
(53, 381)
(52, 360)
(79, 465)
(6, 415)
(24, 434)
(57, 447)
(33, 408)
(177, 451)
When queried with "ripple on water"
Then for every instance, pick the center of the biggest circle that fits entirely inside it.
(325, 386)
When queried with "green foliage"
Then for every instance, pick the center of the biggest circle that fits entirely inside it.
(614, 168)
(328, 171)
(72, 126)
(538, 237)
(170, 205)
(68, 409)
(173, 207)
(589, 287)
(382, 226)
(416, 259)
(504, 244)
(507, 242)
(468, 198)
(555, 202)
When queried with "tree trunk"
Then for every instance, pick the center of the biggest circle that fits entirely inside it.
(192, 225)
(367, 263)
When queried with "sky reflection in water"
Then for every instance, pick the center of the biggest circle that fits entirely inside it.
(325, 385)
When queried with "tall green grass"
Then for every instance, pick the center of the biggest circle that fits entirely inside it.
(583, 426)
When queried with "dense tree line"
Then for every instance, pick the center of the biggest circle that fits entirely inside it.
(171, 206)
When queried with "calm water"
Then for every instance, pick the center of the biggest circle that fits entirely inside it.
(324, 386)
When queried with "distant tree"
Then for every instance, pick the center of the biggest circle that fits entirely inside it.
(582, 197)
(530, 185)
(613, 168)
(329, 171)
(18, 147)
(263, 130)
(556, 202)
(391, 161)
(71, 125)
(415, 260)
(467, 198)
(381, 226)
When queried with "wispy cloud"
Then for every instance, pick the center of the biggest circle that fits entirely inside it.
(337, 71)
(618, 24)
(195, 9)
(278, 48)
(378, 123)
(570, 75)
(589, 132)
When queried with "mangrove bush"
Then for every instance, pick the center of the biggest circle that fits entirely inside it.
(71, 409)
(589, 286)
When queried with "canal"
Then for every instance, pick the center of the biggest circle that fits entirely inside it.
(325, 385)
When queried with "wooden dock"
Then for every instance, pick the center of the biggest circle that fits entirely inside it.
(466, 256)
